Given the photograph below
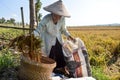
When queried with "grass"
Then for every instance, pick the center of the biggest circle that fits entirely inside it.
(98, 73)
(103, 44)
(8, 59)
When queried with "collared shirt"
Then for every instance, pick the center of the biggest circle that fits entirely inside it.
(48, 32)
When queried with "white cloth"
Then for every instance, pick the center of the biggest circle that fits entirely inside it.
(48, 31)
(56, 78)
(82, 78)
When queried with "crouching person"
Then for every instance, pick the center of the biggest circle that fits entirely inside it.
(76, 54)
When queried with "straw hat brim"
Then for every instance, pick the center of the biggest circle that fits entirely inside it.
(57, 8)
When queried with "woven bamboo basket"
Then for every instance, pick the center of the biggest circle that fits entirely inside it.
(31, 70)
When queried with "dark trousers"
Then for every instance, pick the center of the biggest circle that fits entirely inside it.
(56, 54)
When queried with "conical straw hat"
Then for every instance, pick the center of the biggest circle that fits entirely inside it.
(57, 8)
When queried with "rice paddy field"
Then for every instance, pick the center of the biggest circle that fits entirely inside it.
(102, 43)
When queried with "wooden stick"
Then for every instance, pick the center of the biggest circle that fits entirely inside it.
(1, 26)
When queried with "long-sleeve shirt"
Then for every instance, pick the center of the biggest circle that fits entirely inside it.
(48, 32)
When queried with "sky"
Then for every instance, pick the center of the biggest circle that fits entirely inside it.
(83, 12)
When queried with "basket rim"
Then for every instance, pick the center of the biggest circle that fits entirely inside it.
(27, 60)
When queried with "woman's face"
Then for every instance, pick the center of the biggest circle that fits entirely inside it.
(55, 17)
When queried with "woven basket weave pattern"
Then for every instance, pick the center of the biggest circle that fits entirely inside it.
(30, 70)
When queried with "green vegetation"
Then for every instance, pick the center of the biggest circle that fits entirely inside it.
(98, 74)
(8, 59)
(103, 47)
(8, 34)
(10, 21)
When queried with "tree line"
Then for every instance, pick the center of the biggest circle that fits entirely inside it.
(7, 21)
(13, 21)
(10, 21)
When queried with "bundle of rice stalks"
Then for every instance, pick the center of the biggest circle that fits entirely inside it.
(29, 45)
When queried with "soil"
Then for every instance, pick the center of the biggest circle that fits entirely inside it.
(9, 74)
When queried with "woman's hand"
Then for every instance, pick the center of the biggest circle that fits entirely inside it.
(71, 38)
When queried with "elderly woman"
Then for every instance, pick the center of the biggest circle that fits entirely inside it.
(50, 29)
